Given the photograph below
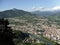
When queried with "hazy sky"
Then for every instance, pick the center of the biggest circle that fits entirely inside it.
(28, 4)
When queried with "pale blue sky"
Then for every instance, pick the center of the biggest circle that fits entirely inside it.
(27, 4)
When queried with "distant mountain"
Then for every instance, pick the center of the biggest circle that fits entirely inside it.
(45, 13)
(16, 13)
(13, 13)
(55, 16)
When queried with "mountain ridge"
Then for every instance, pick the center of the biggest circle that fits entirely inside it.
(13, 13)
(45, 13)
(16, 13)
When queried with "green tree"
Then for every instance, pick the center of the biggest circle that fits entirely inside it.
(6, 34)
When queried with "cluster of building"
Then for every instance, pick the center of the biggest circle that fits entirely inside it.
(51, 33)
(31, 40)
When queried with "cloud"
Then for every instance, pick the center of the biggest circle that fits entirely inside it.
(46, 9)
(37, 8)
(56, 8)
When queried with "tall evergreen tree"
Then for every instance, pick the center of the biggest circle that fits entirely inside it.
(6, 34)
